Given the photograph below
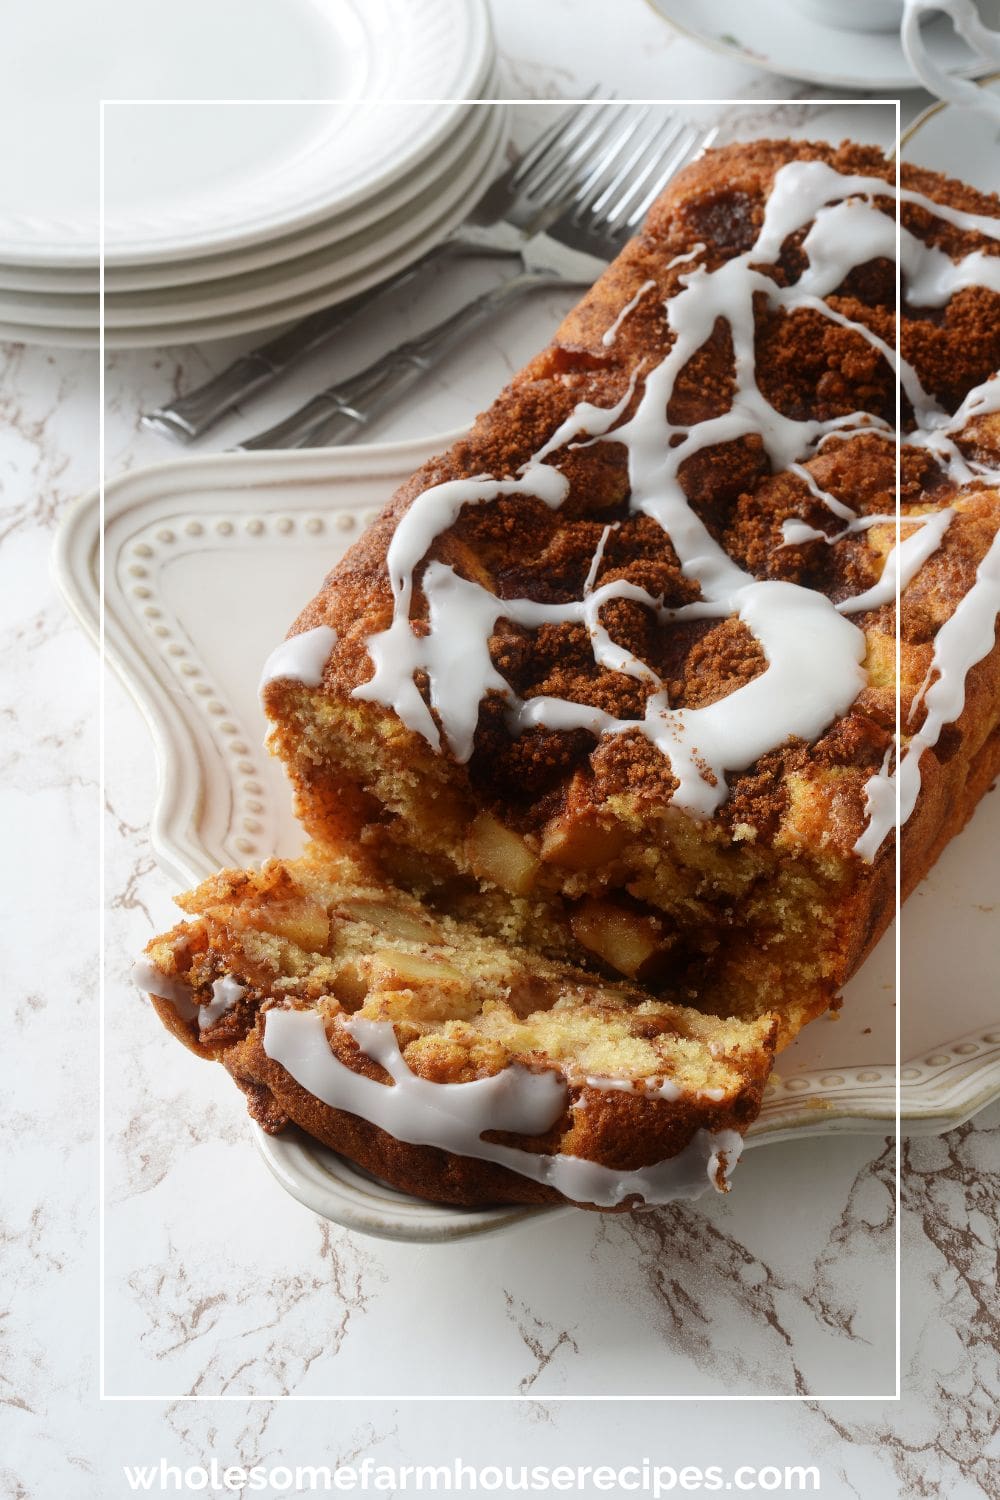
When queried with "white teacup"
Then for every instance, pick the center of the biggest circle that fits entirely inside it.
(968, 23)
(855, 15)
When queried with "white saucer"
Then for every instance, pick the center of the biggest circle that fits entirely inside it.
(959, 142)
(778, 36)
(202, 552)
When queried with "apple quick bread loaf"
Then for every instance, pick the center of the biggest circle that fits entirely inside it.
(613, 683)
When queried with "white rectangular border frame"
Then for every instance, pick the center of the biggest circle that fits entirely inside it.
(818, 1399)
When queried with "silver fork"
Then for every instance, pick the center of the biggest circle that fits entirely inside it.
(607, 206)
(529, 193)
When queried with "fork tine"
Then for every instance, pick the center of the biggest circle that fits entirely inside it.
(635, 189)
(591, 189)
(562, 172)
(563, 125)
(692, 143)
(607, 216)
(605, 210)
(706, 141)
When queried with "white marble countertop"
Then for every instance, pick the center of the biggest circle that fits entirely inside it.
(219, 1286)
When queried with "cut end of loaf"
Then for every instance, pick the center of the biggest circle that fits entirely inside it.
(642, 1080)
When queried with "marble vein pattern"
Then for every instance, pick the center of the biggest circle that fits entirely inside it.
(218, 1286)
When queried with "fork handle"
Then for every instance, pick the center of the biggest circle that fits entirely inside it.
(341, 413)
(191, 415)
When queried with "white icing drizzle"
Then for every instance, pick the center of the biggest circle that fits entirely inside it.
(795, 626)
(667, 1089)
(610, 334)
(963, 640)
(938, 436)
(795, 532)
(903, 562)
(302, 658)
(933, 277)
(226, 992)
(689, 255)
(842, 511)
(880, 808)
(976, 223)
(152, 981)
(453, 1116)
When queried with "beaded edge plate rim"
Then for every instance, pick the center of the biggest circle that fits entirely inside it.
(939, 1091)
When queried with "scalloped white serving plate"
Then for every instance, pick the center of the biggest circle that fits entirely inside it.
(207, 561)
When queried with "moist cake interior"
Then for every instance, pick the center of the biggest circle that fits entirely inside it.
(319, 952)
(323, 932)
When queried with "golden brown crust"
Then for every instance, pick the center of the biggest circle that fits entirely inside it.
(621, 1130)
(521, 547)
(358, 771)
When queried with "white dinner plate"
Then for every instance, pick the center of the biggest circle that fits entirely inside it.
(347, 262)
(274, 309)
(203, 552)
(778, 36)
(961, 143)
(327, 234)
(330, 232)
(321, 117)
(67, 281)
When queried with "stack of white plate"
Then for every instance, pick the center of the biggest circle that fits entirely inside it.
(344, 148)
